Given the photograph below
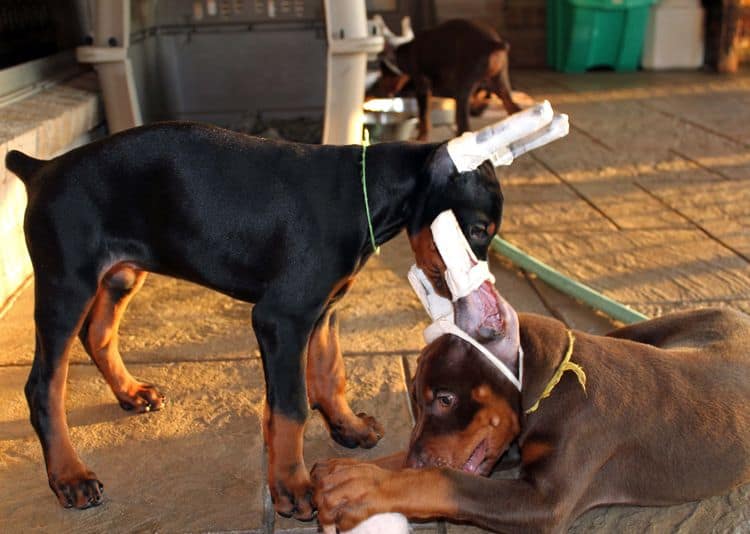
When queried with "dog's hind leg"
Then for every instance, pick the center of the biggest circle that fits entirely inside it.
(326, 388)
(499, 81)
(61, 302)
(99, 335)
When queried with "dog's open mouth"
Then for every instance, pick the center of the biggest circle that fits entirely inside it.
(476, 459)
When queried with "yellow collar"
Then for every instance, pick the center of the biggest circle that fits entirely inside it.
(565, 365)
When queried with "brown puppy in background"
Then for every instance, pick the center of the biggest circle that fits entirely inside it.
(452, 60)
(662, 418)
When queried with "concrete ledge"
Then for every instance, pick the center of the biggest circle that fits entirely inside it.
(42, 125)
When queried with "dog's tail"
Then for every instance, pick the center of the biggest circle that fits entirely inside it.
(23, 166)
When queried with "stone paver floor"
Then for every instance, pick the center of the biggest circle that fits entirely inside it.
(647, 200)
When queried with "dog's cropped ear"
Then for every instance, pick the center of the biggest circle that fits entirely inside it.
(432, 198)
(440, 165)
(443, 187)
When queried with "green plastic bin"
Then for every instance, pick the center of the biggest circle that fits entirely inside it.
(583, 34)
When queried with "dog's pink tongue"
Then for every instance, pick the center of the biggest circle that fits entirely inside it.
(476, 458)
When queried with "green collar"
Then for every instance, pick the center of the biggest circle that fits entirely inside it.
(365, 144)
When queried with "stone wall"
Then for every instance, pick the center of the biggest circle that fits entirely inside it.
(42, 125)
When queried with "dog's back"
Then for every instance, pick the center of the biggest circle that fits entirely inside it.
(707, 327)
(449, 52)
(673, 391)
(157, 184)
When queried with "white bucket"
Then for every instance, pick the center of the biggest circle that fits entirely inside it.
(674, 36)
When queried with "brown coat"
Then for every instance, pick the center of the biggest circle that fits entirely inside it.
(664, 419)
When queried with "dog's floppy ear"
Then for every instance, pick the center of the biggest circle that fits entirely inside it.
(413, 396)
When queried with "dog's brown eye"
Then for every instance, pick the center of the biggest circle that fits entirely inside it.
(445, 399)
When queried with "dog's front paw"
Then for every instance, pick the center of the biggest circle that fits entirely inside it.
(348, 491)
(80, 490)
(140, 398)
(292, 496)
(361, 430)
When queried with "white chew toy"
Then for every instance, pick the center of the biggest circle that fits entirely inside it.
(464, 274)
(492, 142)
(391, 523)
(558, 128)
(437, 306)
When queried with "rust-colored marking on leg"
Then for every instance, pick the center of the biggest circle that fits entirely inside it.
(101, 338)
(326, 388)
(56, 325)
(288, 479)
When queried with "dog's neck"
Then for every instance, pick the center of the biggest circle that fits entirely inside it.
(544, 341)
(395, 175)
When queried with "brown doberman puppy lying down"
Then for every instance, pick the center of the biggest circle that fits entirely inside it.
(664, 418)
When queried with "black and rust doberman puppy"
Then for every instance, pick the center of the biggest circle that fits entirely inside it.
(663, 419)
(451, 60)
(279, 224)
